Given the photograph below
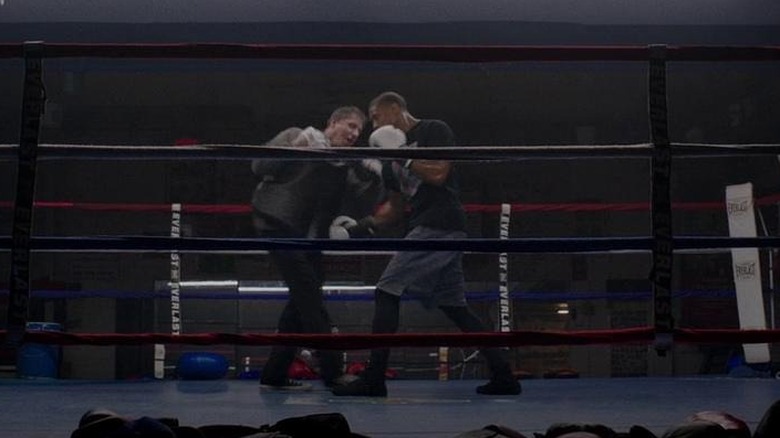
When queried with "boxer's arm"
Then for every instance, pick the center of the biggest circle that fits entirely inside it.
(390, 212)
(263, 167)
(433, 172)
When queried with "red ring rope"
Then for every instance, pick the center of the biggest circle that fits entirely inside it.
(342, 341)
(471, 208)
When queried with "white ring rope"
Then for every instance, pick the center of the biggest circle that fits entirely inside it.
(240, 152)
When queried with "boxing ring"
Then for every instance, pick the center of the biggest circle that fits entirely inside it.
(415, 407)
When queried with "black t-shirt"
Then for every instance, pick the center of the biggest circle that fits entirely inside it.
(431, 206)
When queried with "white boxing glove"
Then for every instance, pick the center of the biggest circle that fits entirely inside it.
(339, 226)
(372, 165)
(387, 137)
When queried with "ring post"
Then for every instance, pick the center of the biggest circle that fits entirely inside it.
(504, 305)
(175, 288)
(33, 101)
(661, 208)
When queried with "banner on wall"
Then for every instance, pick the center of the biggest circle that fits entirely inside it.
(746, 268)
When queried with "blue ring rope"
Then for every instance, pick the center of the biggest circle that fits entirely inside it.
(472, 296)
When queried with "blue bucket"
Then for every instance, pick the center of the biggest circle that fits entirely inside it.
(39, 360)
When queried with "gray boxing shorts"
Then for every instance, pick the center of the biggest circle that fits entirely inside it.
(433, 277)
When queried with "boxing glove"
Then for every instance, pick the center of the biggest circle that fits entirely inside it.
(372, 165)
(344, 227)
(387, 137)
(338, 228)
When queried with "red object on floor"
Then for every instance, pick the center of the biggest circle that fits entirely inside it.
(300, 370)
(356, 368)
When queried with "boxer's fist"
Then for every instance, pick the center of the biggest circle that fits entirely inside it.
(372, 165)
(387, 137)
(344, 227)
(338, 228)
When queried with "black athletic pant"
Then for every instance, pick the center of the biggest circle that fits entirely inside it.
(304, 313)
(386, 320)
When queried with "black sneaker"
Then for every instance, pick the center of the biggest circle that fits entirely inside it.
(509, 386)
(361, 388)
(286, 385)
